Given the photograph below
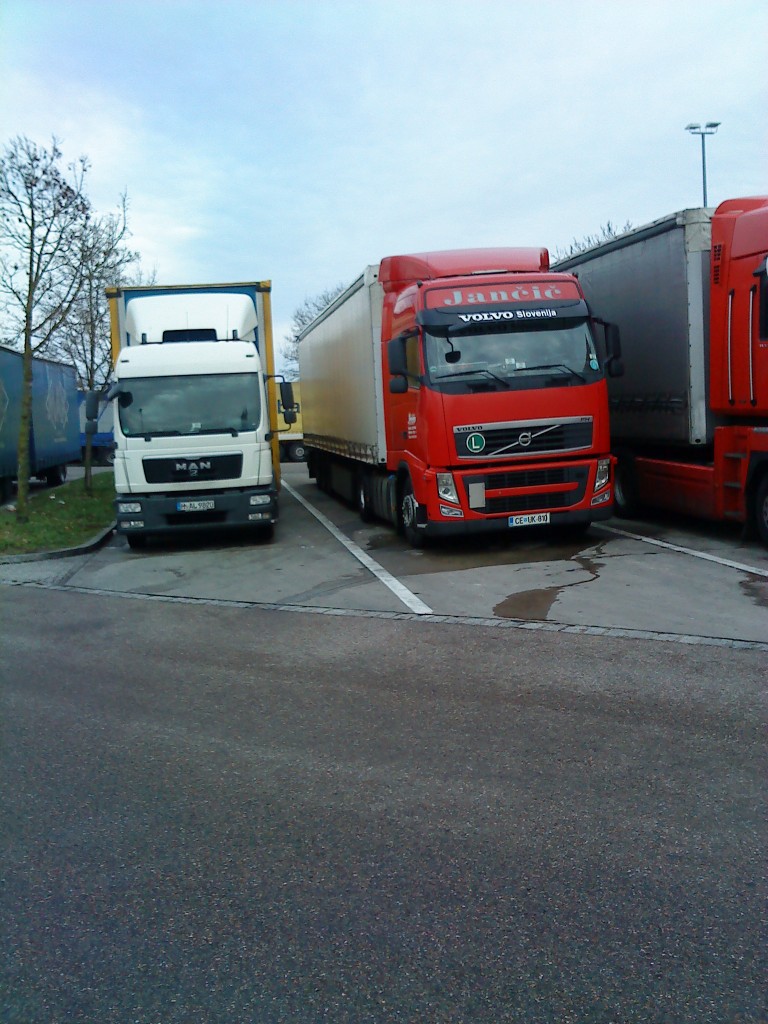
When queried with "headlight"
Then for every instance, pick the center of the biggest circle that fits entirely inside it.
(124, 507)
(446, 488)
(603, 474)
(260, 499)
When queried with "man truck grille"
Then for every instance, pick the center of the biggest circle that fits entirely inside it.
(189, 468)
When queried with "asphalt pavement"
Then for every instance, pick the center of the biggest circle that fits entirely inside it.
(226, 814)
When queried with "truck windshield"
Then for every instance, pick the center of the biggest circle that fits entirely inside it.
(504, 358)
(157, 406)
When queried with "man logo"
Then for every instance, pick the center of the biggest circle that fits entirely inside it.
(192, 468)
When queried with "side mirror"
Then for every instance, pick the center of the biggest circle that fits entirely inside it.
(612, 341)
(286, 395)
(289, 415)
(91, 406)
(398, 366)
(396, 356)
(615, 367)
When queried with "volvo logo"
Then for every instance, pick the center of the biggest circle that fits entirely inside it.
(524, 439)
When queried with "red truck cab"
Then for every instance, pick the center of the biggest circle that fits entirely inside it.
(497, 409)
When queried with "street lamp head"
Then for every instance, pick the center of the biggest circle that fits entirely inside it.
(713, 124)
(692, 127)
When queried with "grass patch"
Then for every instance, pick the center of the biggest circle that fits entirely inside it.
(60, 517)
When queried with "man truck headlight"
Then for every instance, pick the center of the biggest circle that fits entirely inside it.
(603, 474)
(128, 507)
(446, 488)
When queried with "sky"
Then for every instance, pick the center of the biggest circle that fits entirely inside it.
(299, 141)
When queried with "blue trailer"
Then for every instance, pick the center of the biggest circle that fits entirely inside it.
(54, 439)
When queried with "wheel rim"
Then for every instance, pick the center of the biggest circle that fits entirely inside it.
(409, 511)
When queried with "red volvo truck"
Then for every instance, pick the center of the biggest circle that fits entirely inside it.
(455, 392)
(689, 418)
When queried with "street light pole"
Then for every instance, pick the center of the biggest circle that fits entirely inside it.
(709, 129)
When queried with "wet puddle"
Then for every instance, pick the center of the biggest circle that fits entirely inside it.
(537, 604)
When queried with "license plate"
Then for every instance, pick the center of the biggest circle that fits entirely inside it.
(534, 519)
(195, 506)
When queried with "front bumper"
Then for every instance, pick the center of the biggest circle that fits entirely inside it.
(500, 524)
(166, 513)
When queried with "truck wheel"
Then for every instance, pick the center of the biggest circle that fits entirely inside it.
(296, 451)
(408, 506)
(761, 509)
(625, 500)
(56, 476)
(363, 493)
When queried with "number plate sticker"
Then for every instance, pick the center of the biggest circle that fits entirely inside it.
(534, 519)
(195, 506)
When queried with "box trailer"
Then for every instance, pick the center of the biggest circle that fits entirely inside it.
(54, 439)
(689, 418)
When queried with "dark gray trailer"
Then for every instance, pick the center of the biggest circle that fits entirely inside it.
(689, 418)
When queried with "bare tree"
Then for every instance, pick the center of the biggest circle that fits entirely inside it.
(606, 232)
(104, 261)
(85, 335)
(44, 215)
(302, 317)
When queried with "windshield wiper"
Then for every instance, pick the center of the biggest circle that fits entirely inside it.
(558, 366)
(149, 434)
(471, 373)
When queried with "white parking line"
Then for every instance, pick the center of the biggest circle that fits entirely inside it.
(400, 591)
(685, 551)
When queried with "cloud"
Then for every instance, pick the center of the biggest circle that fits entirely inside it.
(300, 141)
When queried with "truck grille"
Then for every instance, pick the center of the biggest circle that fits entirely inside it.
(568, 485)
(183, 469)
(516, 440)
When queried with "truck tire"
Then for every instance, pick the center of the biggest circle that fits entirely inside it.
(761, 509)
(363, 497)
(625, 500)
(408, 506)
(56, 476)
(296, 451)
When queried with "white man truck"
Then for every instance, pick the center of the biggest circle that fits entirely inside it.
(195, 421)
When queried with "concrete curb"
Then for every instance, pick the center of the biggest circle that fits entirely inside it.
(81, 549)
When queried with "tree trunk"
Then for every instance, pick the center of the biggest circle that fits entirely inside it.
(25, 425)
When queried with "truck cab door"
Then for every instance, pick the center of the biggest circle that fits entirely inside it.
(403, 435)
